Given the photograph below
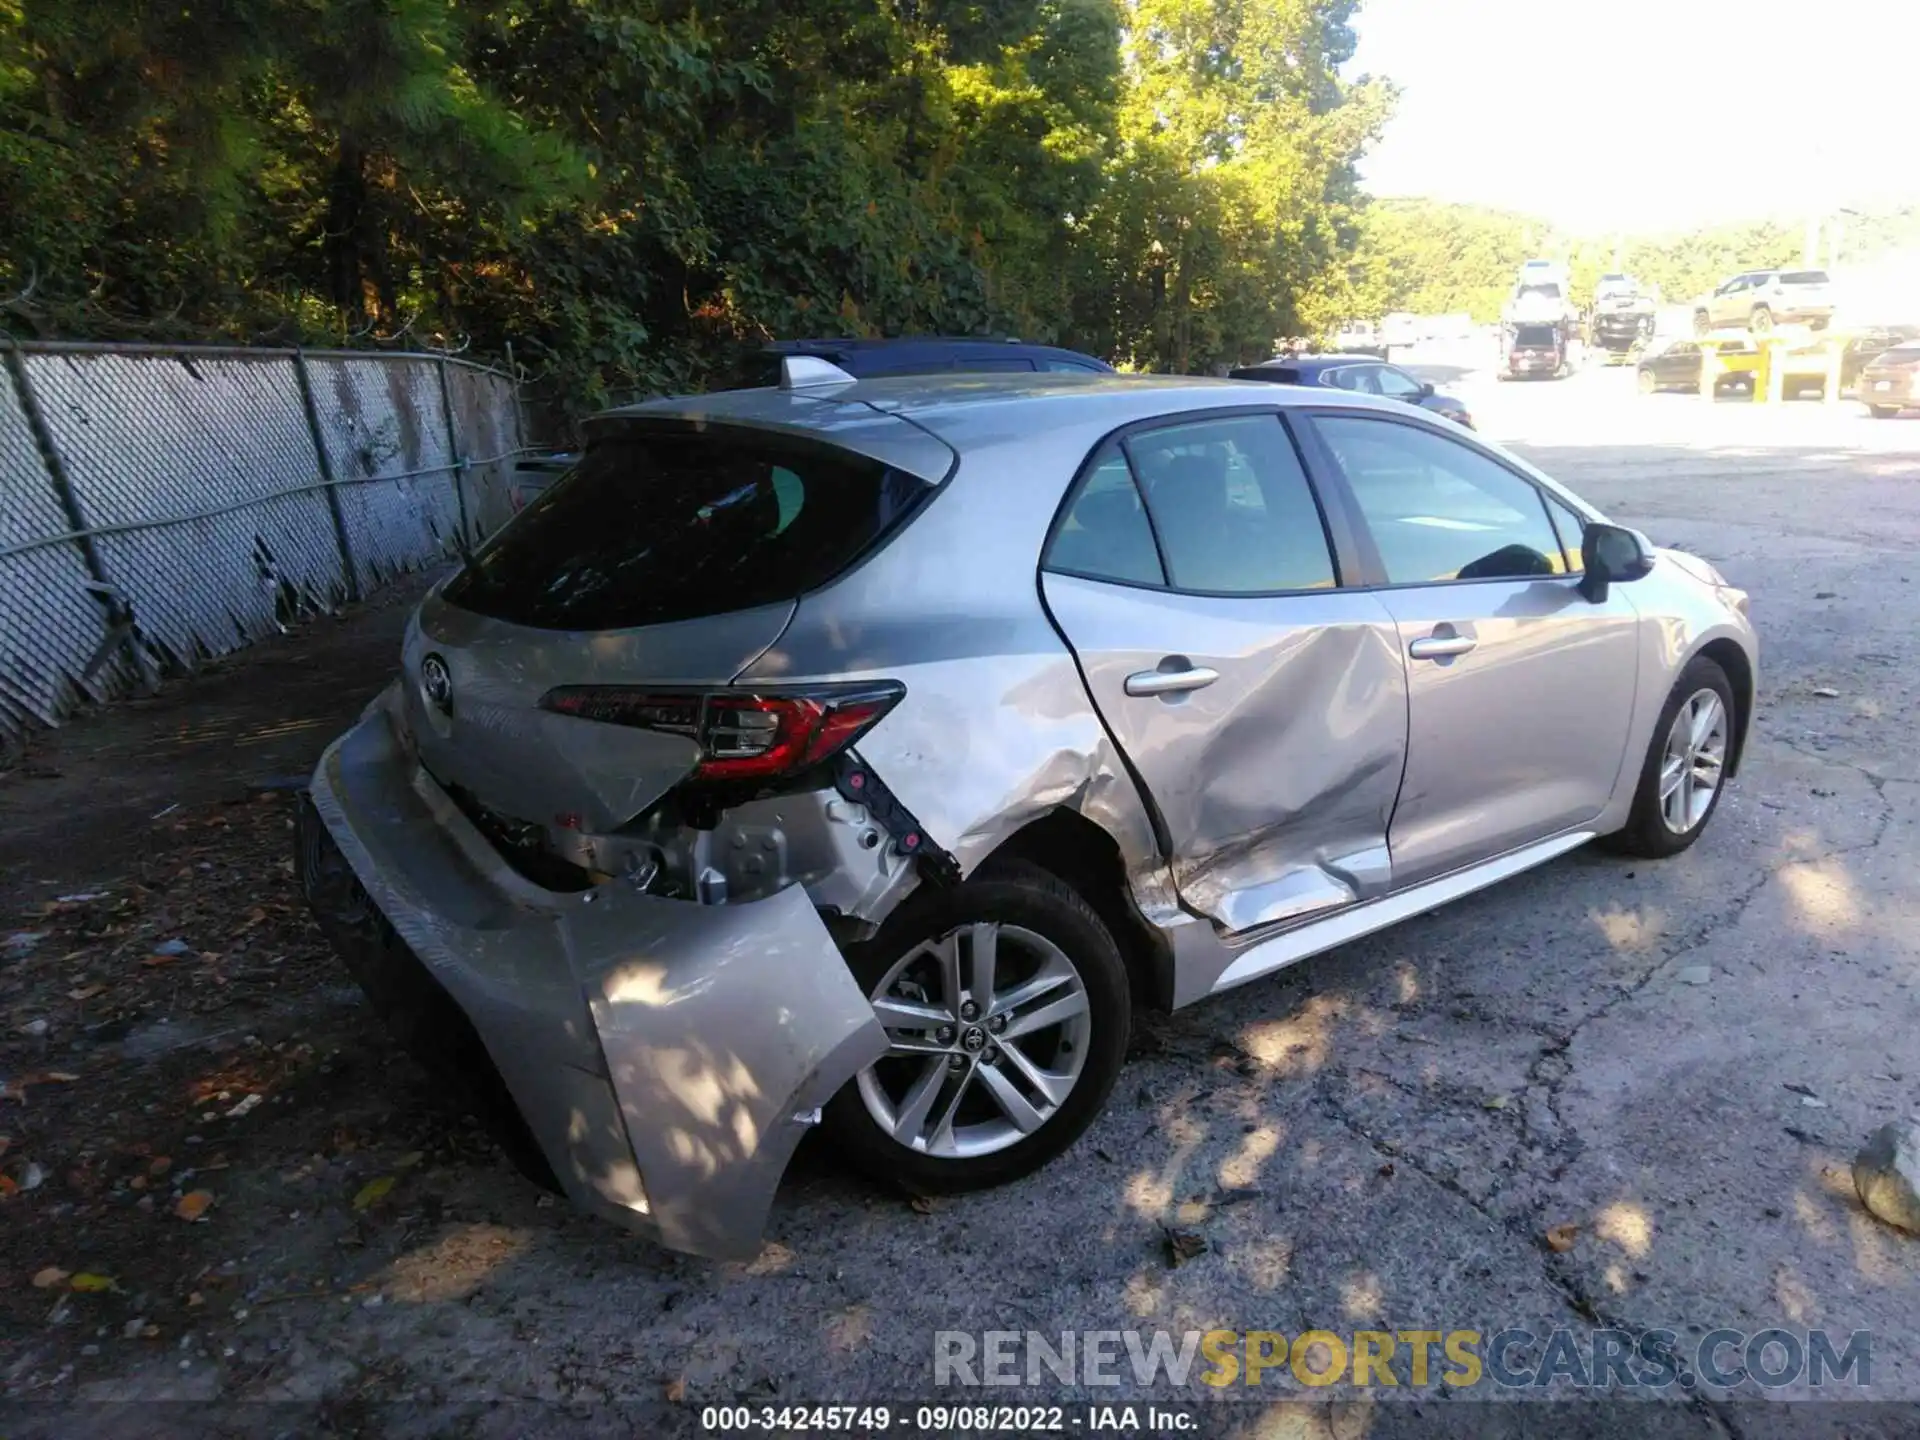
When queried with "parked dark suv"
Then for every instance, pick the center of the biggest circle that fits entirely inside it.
(914, 355)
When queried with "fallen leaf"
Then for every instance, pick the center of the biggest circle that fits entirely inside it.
(1798, 1088)
(9, 1187)
(1184, 1245)
(676, 1390)
(33, 1177)
(59, 1075)
(85, 992)
(1560, 1238)
(194, 1204)
(88, 1283)
(159, 1165)
(48, 1278)
(194, 1300)
(1386, 1171)
(409, 1160)
(251, 1102)
(1498, 1102)
(922, 1204)
(1826, 692)
(373, 1192)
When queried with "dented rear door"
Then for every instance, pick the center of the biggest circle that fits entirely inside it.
(1263, 708)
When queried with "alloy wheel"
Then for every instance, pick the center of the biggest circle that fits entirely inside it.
(1691, 765)
(988, 1028)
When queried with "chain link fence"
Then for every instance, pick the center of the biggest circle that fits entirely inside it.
(160, 505)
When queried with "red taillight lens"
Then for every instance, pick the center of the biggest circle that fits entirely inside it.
(742, 734)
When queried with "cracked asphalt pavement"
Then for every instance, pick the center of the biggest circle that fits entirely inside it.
(1677, 1059)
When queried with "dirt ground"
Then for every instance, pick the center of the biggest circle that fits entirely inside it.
(221, 1183)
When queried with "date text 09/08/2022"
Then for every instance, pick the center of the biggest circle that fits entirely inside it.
(949, 1419)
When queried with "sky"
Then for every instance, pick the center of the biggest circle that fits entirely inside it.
(1639, 116)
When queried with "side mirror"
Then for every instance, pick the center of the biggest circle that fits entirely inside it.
(1426, 390)
(1612, 555)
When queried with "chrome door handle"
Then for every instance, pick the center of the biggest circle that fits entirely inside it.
(1439, 647)
(1170, 682)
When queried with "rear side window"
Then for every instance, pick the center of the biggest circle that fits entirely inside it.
(1804, 277)
(1232, 507)
(1105, 533)
(656, 524)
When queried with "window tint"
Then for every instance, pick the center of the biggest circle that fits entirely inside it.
(1232, 506)
(1439, 510)
(969, 363)
(1571, 528)
(656, 525)
(1073, 366)
(1353, 377)
(1105, 534)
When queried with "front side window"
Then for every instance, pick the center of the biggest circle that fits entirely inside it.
(1439, 510)
(1105, 534)
(1232, 507)
(1572, 528)
(1398, 384)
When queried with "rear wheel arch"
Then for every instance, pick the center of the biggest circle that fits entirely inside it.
(1080, 853)
(1739, 670)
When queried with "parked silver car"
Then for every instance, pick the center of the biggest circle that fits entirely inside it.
(865, 753)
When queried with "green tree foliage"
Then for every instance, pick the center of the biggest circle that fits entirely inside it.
(1432, 258)
(627, 189)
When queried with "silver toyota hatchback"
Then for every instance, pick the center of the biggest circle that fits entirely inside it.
(864, 754)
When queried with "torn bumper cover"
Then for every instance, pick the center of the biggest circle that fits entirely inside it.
(667, 1056)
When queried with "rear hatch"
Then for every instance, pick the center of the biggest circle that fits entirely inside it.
(1894, 372)
(561, 679)
(1803, 287)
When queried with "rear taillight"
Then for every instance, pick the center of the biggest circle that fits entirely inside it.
(742, 734)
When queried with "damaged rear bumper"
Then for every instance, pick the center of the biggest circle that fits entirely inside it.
(666, 1056)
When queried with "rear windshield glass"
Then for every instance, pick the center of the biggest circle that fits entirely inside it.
(1534, 335)
(656, 525)
(1804, 277)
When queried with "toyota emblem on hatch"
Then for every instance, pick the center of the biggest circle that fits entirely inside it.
(437, 681)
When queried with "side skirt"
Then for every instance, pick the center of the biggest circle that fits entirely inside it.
(1263, 957)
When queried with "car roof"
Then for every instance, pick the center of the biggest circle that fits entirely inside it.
(904, 345)
(920, 422)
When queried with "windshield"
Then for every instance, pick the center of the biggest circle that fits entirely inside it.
(1548, 292)
(658, 524)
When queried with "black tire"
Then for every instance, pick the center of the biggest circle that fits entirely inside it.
(1647, 382)
(1883, 412)
(1011, 893)
(1760, 322)
(1646, 834)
